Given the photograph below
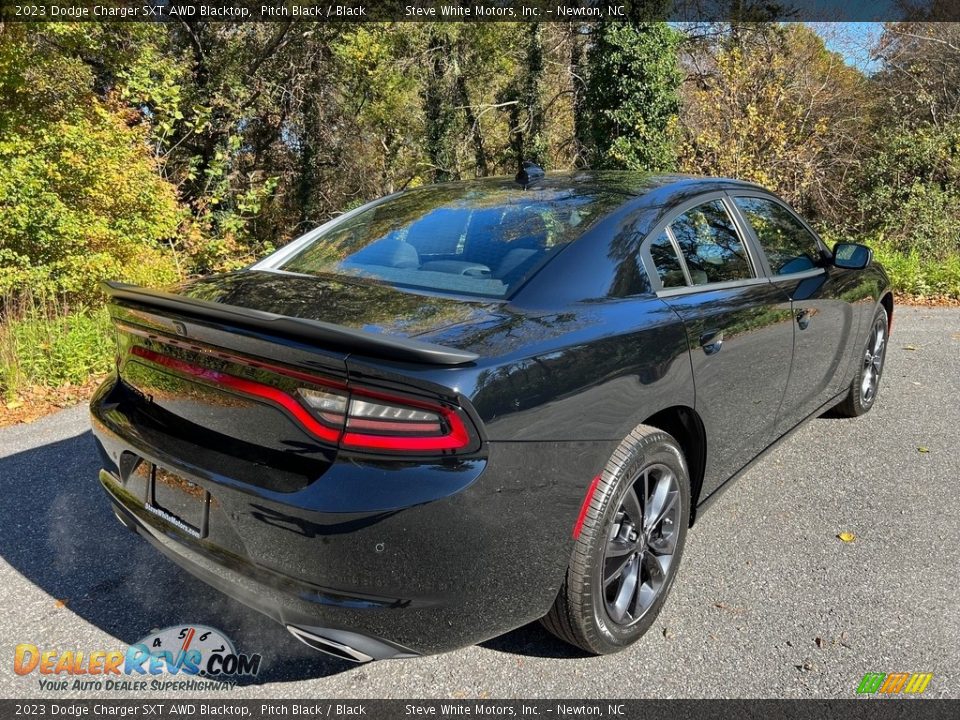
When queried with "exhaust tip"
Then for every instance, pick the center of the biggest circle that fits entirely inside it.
(328, 646)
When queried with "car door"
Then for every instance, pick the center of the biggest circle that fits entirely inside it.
(794, 255)
(739, 329)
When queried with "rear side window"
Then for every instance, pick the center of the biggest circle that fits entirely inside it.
(474, 239)
(789, 246)
(710, 245)
(666, 262)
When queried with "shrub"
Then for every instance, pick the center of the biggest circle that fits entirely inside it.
(43, 345)
(915, 273)
(911, 192)
(81, 198)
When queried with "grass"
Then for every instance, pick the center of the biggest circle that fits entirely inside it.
(917, 276)
(42, 343)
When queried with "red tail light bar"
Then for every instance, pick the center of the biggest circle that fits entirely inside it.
(352, 418)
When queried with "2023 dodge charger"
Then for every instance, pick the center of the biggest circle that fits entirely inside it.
(464, 407)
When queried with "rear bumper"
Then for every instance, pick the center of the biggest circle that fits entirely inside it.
(282, 599)
(389, 558)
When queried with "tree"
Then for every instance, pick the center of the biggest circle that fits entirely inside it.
(909, 187)
(81, 199)
(632, 95)
(774, 106)
(919, 79)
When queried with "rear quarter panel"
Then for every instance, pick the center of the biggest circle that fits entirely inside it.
(555, 393)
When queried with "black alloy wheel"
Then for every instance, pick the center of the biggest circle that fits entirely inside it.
(865, 385)
(629, 548)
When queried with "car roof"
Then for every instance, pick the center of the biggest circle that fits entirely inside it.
(656, 190)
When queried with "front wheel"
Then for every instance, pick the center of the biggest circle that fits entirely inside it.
(629, 548)
(866, 382)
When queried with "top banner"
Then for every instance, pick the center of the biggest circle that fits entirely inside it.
(568, 11)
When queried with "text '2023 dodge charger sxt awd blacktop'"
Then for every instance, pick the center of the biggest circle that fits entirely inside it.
(468, 406)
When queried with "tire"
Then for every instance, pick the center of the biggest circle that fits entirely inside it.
(587, 614)
(865, 385)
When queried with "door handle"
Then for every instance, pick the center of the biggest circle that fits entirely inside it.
(803, 319)
(711, 341)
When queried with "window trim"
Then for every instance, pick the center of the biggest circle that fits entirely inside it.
(676, 248)
(759, 271)
(710, 287)
(802, 275)
(748, 228)
(647, 256)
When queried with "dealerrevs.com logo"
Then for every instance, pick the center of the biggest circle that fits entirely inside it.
(181, 657)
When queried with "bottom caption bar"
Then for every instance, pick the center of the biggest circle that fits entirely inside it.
(647, 709)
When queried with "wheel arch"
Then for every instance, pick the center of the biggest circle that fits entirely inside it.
(887, 301)
(686, 426)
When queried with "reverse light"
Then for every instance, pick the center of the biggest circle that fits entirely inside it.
(377, 417)
(327, 406)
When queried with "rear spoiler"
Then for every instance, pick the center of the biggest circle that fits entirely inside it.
(329, 335)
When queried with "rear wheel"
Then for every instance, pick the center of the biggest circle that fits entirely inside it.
(629, 547)
(866, 382)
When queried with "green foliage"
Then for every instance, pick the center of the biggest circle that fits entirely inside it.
(379, 88)
(913, 273)
(80, 199)
(632, 95)
(46, 347)
(910, 192)
(80, 196)
(777, 108)
(532, 143)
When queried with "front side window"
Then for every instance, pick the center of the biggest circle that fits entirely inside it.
(474, 239)
(710, 245)
(789, 246)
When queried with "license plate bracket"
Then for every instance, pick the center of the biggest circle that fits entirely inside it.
(180, 502)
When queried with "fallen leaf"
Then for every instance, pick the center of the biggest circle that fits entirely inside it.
(60, 604)
(14, 404)
(909, 347)
(819, 642)
(847, 537)
(923, 449)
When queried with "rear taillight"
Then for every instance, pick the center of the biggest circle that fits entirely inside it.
(382, 422)
(375, 421)
(353, 418)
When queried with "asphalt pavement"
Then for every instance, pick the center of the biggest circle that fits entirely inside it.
(768, 603)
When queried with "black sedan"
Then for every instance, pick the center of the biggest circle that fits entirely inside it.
(465, 407)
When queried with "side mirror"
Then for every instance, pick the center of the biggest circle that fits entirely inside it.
(851, 256)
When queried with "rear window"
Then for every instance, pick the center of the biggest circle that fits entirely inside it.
(461, 239)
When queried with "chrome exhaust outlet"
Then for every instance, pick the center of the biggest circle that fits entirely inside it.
(326, 645)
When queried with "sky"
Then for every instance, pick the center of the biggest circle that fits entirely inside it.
(853, 40)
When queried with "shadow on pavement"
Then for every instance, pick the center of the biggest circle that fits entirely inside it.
(533, 640)
(58, 531)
